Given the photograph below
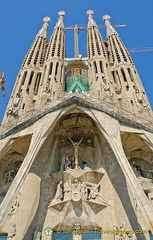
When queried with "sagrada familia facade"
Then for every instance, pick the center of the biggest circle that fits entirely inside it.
(76, 143)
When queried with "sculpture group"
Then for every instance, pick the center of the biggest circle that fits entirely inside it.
(76, 191)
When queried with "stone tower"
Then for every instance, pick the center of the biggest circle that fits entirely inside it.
(76, 159)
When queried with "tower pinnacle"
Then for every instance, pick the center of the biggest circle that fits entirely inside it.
(60, 23)
(43, 31)
(110, 29)
(91, 21)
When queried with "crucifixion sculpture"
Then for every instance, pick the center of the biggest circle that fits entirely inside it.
(76, 152)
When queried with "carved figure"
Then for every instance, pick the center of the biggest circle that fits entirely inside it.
(59, 192)
(47, 89)
(116, 235)
(139, 96)
(119, 235)
(14, 208)
(63, 163)
(76, 190)
(16, 100)
(66, 163)
(94, 192)
(12, 111)
(150, 197)
(69, 189)
(76, 148)
(83, 191)
(10, 175)
(137, 170)
(37, 234)
(11, 234)
(149, 174)
(106, 87)
(66, 191)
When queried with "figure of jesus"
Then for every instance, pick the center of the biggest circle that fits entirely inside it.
(76, 148)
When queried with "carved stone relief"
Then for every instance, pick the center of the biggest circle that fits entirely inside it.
(47, 88)
(77, 199)
(11, 172)
(15, 206)
(141, 170)
(122, 235)
(37, 234)
(12, 233)
(16, 100)
(12, 112)
(66, 163)
(76, 191)
(9, 176)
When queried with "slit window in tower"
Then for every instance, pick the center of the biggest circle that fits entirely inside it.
(37, 82)
(123, 74)
(24, 77)
(63, 52)
(113, 74)
(130, 74)
(53, 50)
(50, 68)
(95, 65)
(92, 44)
(98, 49)
(57, 64)
(42, 55)
(30, 80)
(111, 50)
(32, 52)
(116, 50)
(101, 66)
(122, 50)
(59, 47)
(23, 106)
(88, 48)
(61, 73)
(97, 42)
(37, 54)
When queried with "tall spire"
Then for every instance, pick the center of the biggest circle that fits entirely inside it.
(25, 92)
(109, 27)
(99, 71)
(35, 56)
(53, 71)
(60, 23)
(43, 31)
(128, 86)
(91, 21)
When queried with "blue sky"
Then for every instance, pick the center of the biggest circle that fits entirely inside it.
(20, 21)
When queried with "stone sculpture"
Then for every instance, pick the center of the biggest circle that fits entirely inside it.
(76, 148)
